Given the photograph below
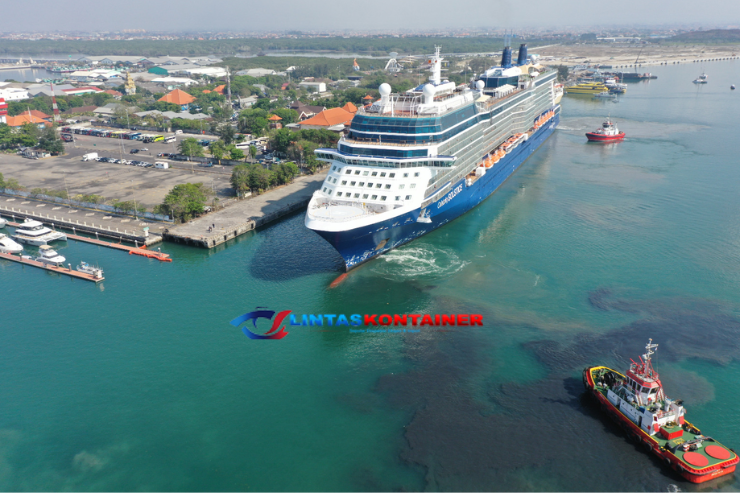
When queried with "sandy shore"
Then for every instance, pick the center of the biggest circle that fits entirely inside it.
(624, 56)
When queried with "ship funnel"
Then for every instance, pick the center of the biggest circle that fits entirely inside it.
(506, 57)
(522, 59)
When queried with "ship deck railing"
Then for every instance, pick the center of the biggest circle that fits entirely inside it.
(380, 143)
(341, 211)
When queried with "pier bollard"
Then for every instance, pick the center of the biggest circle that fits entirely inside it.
(73, 230)
(136, 244)
(70, 266)
(96, 236)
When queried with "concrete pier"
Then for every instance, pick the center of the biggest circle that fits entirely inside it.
(246, 215)
(98, 223)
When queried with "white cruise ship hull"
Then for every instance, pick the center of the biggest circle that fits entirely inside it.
(363, 243)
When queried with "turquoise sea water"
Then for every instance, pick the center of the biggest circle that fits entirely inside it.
(589, 250)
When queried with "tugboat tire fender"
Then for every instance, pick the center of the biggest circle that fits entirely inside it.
(647, 446)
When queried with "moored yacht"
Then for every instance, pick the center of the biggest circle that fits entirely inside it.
(35, 233)
(89, 269)
(702, 79)
(47, 255)
(9, 246)
(3, 222)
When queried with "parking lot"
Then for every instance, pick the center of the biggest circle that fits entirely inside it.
(148, 186)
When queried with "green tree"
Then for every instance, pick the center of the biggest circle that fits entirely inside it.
(2, 181)
(263, 104)
(240, 178)
(288, 115)
(227, 133)
(281, 140)
(217, 150)
(101, 98)
(50, 142)
(252, 152)
(184, 201)
(562, 73)
(190, 147)
(165, 106)
(32, 132)
(253, 121)
(285, 172)
(235, 154)
(260, 179)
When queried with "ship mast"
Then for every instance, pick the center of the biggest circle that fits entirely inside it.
(648, 364)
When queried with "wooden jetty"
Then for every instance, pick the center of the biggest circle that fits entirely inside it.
(67, 271)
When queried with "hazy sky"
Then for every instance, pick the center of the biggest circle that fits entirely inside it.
(252, 15)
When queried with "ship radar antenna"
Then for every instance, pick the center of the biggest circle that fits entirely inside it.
(649, 350)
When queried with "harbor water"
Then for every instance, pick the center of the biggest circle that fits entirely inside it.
(141, 383)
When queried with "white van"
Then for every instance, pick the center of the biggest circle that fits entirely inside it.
(161, 165)
(178, 132)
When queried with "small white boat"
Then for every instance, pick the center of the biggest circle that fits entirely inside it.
(47, 255)
(9, 246)
(89, 269)
(3, 222)
(35, 233)
(702, 79)
(605, 95)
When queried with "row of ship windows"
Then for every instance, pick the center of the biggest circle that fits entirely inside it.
(370, 184)
(374, 173)
(365, 196)
(383, 164)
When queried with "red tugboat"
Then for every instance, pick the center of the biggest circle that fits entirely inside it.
(607, 133)
(637, 402)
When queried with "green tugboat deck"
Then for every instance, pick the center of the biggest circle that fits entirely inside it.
(664, 443)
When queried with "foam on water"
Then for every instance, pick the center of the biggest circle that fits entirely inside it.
(419, 260)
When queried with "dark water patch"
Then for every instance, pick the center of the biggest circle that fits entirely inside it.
(683, 327)
(547, 425)
(289, 251)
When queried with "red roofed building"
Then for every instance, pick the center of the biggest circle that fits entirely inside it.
(285, 86)
(350, 108)
(178, 97)
(39, 114)
(3, 110)
(23, 118)
(220, 89)
(332, 117)
(114, 93)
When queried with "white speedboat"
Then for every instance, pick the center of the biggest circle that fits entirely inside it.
(605, 95)
(702, 79)
(47, 255)
(9, 246)
(35, 233)
(3, 222)
(89, 269)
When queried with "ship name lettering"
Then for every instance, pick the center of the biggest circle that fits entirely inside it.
(449, 196)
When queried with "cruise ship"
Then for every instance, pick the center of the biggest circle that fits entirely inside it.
(412, 162)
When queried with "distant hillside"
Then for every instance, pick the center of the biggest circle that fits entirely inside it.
(712, 36)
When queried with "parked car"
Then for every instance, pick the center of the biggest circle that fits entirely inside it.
(163, 154)
(206, 165)
(143, 149)
(134, 151)
(178, 132)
